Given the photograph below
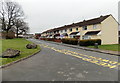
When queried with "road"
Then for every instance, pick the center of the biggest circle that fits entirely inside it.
(62, 63)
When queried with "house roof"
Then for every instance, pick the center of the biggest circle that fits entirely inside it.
(74, 33)
(92, 21)
(80, 24)
(92, 33)
(78, 34)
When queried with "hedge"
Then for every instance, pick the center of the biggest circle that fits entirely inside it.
(57, 40)
(51, 39)
(89, 42)
(72, 41)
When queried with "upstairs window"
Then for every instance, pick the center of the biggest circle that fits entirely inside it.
(94, 26)
(70, 29)
(76, 29)
(57, 31)
(65, 30)
(84, 27)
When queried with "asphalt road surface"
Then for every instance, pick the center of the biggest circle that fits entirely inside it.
(62, 63)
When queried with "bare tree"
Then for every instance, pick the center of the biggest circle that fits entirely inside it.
(20, 26)
(24, 29)
(10, 11)
(2, 16)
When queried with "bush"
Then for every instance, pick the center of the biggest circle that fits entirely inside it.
(119, 40)
(90, 42)
(57, 40)
(9, 35)
(49, 39)
(42, 38)
(72, 41)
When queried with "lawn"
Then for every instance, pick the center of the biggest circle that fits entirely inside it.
(113, 47)
(18, 44)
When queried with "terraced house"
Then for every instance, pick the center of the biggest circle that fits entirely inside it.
(103, 27)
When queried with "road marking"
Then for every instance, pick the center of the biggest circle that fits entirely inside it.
(95, 60)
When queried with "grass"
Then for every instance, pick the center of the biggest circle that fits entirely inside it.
(18, 44)
(112, 47)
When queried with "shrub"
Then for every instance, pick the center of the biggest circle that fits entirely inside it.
(57, 40)
(49, 39)
(72, 41)
(9, 35)
(42, 38)
(119, 40)
(89, 42)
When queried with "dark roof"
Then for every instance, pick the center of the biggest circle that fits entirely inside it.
(74, 33)
(83, 23)
(48, 30)
(92, 33)
(92, 21)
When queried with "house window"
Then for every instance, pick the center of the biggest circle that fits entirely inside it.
(57, 32)
(84, 27)
(76, 29)
(94, 26)
(65, 30)
(72, 36)
(70, 30)
(86, 37)
(61, 31)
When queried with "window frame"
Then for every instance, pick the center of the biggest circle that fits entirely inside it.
(84, 28)
(76, 29)
(95, 26)
(70, 29)
(61, 31)
(85, 37)
(65, 30)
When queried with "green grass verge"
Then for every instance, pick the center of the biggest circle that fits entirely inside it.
(18, 44)
(113, 47)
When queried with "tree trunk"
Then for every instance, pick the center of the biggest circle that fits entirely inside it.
(7, 37)
(17, 32)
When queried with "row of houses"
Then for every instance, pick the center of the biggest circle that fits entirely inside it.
(103, 27)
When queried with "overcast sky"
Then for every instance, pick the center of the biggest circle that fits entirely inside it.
(46, 14)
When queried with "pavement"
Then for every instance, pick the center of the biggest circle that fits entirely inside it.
(117, 53)
(63, 63)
